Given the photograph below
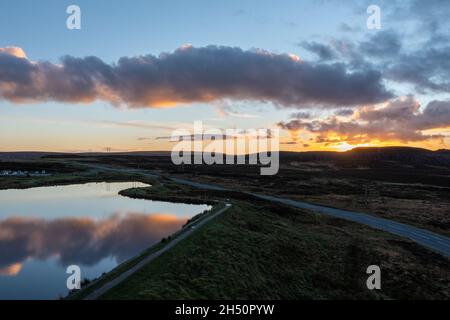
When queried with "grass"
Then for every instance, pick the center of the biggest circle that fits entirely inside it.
(262, 251)
(258, 250)
(106, 277)
(421, 205)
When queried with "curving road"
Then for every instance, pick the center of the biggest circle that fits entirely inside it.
(436, 242)
(426, 238)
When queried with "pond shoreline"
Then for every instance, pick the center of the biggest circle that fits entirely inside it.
(18, 184)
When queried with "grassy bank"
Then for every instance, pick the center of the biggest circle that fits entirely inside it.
(257, 250)
(106, 277)
(70, 178)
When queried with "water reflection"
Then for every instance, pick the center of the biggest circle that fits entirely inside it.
(43, 230)
(80, 240)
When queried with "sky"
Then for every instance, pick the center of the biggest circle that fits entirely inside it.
(138, 70)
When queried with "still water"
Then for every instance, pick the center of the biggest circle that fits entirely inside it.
(44, 230)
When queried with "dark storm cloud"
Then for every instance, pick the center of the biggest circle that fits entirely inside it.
(190, 75)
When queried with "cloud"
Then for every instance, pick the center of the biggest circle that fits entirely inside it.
(398, 58)
(399, 120)
(301, 115)
(421, 56)
(324, 52)
(382, 44)
(379, 45)
(427, 69)
(80, 240)
(344, 27)
(135, 124)
(189, 75)
(14, 51)
(344, 112)
(226, 111)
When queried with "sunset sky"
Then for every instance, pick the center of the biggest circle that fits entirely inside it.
(137, 70)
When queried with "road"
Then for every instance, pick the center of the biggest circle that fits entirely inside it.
(436, 242)
(426, 238)
(125, 275)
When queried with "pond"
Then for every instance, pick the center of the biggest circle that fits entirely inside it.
(44, 230)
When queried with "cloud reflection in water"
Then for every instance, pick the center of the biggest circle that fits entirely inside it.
(83, 241)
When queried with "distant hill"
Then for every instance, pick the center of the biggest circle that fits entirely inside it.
(443, 151)
(61, 155)
(396, 150)
(25, 155)
(106, 154)
(411, 155)
(368, 154)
